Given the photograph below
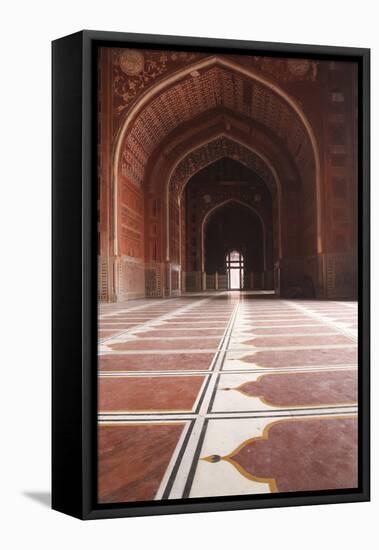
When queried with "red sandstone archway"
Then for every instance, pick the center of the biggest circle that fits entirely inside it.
(268, 98)
(222, 147)
(168, 122)
(180, 102)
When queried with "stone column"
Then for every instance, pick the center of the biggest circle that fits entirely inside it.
(204, 280)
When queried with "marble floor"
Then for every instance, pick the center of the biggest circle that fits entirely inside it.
(228, 393)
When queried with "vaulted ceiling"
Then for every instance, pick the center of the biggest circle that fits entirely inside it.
(219, 148)
(205, 90)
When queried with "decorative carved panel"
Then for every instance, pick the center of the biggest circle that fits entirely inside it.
(215, 150)
(194, 95)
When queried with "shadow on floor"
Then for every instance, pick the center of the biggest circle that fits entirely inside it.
(41, 497)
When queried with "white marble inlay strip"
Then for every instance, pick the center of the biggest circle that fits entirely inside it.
(177, 417)
(220, 329)
(172, 463)
(181, 478)
(155, 351)
(245, 334)
(194, 372)
(154, 374)
(235, 348)
(289, 325)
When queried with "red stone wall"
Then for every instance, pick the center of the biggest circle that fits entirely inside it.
(131, 226)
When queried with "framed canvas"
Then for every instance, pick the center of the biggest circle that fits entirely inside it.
(210, 274)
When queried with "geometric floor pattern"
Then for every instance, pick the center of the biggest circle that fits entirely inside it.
(227, 393)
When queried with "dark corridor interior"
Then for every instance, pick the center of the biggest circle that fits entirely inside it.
(229, 207)
(233, 226)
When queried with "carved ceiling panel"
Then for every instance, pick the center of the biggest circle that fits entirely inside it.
(215, 150)
(135, 70)
(211, 88)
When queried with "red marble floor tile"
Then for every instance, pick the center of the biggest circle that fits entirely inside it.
(328, 313)
(118, 327)
(308, 340)
(133, 460)
(304, 388)
(280, 321)
(275, 307)
(302, 455)
(266, 313)
(202, 318)
(136, 314)
(107, 333)
(314, 326)
(342, 319)
(312, 357)
(166, 344)
(338, 311)
(274, 318)
(272, 315)
(293, 330)
(138, 320)
(173, 323)
(183, 333)
(153, 362)
(216, 310)
(148, 393)
(207, 311)
(117, 321)
(331, 307)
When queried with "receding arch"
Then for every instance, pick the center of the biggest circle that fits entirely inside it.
(175, 78)
(263, 158)
(221, 205)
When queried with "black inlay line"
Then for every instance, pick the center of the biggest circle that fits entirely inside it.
(289, 416)
(231, 417)
(214, 362)
(230, 330)
(191, 474)
(231, 414)
(203, 393)
(178, 461)
(226, 340)
(205, 387)
(314, 407)
(211, 401)
(146, 415)
(143, 420)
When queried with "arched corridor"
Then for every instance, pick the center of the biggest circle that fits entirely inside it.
(227, 274)
(205, 113)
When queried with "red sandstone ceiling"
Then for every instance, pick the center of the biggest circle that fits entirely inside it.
(202, 91)
(211, 152)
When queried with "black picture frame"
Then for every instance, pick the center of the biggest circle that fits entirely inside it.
(74, 271)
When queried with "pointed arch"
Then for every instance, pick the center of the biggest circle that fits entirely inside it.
(271, 169)
(175, 78)
(217, 207)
